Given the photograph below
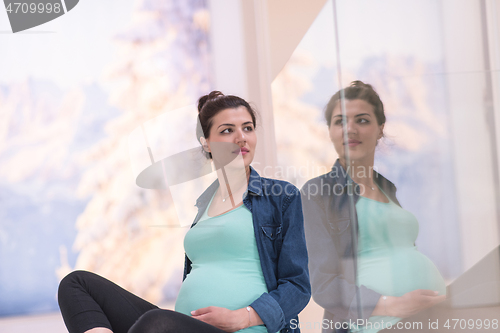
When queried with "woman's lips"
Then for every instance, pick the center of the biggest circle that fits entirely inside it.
(242, 151)
(353, 143)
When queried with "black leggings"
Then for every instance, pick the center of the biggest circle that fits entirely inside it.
(88, 300)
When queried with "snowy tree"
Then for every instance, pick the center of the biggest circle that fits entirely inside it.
(301, 134)
(162, 64)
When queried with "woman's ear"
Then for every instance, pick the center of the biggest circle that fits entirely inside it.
(381, 134)
(205, 145)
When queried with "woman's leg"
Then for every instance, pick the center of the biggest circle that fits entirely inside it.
(89, 301)
(167, 321)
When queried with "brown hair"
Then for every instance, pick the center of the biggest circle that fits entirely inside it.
(213, 103)
(357, 90)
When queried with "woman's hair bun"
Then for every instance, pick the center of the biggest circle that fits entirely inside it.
(361, 84)
(213, 95)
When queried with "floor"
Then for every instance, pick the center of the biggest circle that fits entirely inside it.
(53, 323)
(46, 323)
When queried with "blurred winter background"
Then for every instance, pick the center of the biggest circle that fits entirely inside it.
(72, 90)
(69, 97)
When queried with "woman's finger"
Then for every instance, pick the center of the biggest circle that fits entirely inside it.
(428, 301)
(438, 299)
(206, 318)
(201, 311)
(428, 292)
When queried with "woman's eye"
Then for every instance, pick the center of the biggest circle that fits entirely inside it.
(363, 120)
(249, 128)
(338, 122)
(227, 130)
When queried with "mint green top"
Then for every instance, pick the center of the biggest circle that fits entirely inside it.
(225, 269)
(388, 261)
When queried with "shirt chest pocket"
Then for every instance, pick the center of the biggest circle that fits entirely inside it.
(271, 240)
(271, 232)
(338, 226)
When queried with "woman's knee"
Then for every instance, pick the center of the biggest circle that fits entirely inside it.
(75, 279)
(72, 278)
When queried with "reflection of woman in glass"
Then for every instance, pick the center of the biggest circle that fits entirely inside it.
(363, 261)
(246, 258)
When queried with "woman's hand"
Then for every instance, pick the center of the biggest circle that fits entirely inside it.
(409, 304)
(225, 319)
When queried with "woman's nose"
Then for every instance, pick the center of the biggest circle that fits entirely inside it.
(351, 127)
(240, 136)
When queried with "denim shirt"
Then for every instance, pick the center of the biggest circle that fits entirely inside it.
(279, 232)
(331, 228)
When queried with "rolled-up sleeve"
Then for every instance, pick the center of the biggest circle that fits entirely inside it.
(293, 291)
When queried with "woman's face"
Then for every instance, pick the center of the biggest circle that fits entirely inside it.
(232, 134)
(363, 131)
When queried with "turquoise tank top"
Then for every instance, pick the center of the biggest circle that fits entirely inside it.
(388, 261)
(225, 270)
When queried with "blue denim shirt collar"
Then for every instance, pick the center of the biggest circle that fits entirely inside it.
(255, 183)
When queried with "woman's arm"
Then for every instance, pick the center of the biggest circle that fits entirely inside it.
(330, 288)
(293, 290)
(407, 305)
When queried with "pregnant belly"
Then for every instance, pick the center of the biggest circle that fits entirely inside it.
(399, 272)
(216, 286)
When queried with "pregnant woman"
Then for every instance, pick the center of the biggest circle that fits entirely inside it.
(366, 271)
(246, 258)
